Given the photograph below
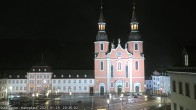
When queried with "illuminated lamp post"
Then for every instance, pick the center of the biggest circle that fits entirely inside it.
(108, 101)
(70, 97)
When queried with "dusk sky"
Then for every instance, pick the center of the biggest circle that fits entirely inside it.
(65, 31)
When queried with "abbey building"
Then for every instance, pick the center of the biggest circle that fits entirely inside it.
(116, 70)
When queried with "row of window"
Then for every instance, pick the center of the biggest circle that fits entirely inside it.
(39, 76)
(38, 81)
(39, 69)
(181, 90)
(126, 71)
(69, 88)
(119, 65)
(19, 81)
(70, 76)
(17, 88)
(136, 45)
(126, 84)
(69, 81)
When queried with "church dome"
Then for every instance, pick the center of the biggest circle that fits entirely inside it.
(134, 36)
(101, 36)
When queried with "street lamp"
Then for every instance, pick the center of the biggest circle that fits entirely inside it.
(108, 101)
(70, 97)
(33, 95)
(122, 98)
(10, 91)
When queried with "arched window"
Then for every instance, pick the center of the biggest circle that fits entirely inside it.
(112, 71)
(119, 66)
(101, 65)
(126, 71)
(136, 46)
(136, 65)
(101, 47)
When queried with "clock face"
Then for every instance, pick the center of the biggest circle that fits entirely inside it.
(119, 54)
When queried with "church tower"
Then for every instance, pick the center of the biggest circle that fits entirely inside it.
(135, 47)
(101, 49)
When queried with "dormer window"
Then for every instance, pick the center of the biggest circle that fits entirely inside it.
(186, 60)
(10, 76)
(85, 75)
(69, 76)
(77, 75)
(45, 69)
(54, 76)
(39, 69)
(62, 76)
(33, 69)
(17, 76)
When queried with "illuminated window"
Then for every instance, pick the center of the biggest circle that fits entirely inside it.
(39, 69)
(136, 65)
(85, 75)
(77, 75)
(44, 69)
(69, 75)
(101, 65)
(186, 60)
(62, 76)
(17, 76)
(33, 69)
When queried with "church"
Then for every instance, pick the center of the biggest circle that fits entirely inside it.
(119, 69)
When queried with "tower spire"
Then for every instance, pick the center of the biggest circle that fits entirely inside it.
(133, 14)
(101, 36)
(134, 34)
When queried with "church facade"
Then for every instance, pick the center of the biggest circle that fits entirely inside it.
(118, 69)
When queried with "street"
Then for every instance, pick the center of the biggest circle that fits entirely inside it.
(86, 102)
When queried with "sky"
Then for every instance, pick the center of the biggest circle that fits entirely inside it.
(64, 32)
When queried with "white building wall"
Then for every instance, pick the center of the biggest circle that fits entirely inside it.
(188, 103)
(75, 85)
